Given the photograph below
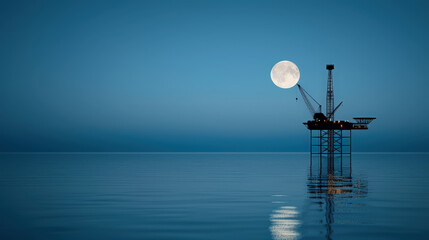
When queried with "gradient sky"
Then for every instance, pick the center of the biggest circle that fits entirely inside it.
(195, 75)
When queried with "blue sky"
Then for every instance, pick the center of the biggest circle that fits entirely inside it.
(195, 75)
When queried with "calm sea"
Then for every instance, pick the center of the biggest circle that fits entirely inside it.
(212, 196)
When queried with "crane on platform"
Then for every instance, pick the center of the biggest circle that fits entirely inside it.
(316, 114)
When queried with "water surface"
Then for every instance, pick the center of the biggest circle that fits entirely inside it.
(212, 196)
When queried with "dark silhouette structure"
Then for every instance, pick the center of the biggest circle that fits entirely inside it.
(333, 191)
(328, 137)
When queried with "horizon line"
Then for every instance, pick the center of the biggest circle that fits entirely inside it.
(118, 152)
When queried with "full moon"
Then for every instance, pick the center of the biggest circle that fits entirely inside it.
(285, 74)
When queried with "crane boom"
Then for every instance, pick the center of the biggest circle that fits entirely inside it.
(332, 114)
(307, 101)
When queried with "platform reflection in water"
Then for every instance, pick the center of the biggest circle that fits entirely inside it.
(334, 193)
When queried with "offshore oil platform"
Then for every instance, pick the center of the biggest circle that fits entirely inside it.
(329, 137)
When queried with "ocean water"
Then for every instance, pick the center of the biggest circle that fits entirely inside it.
(213, 196)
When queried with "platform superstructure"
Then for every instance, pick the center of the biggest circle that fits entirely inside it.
(330, 137)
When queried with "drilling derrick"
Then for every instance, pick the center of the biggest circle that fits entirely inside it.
(330, 94)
